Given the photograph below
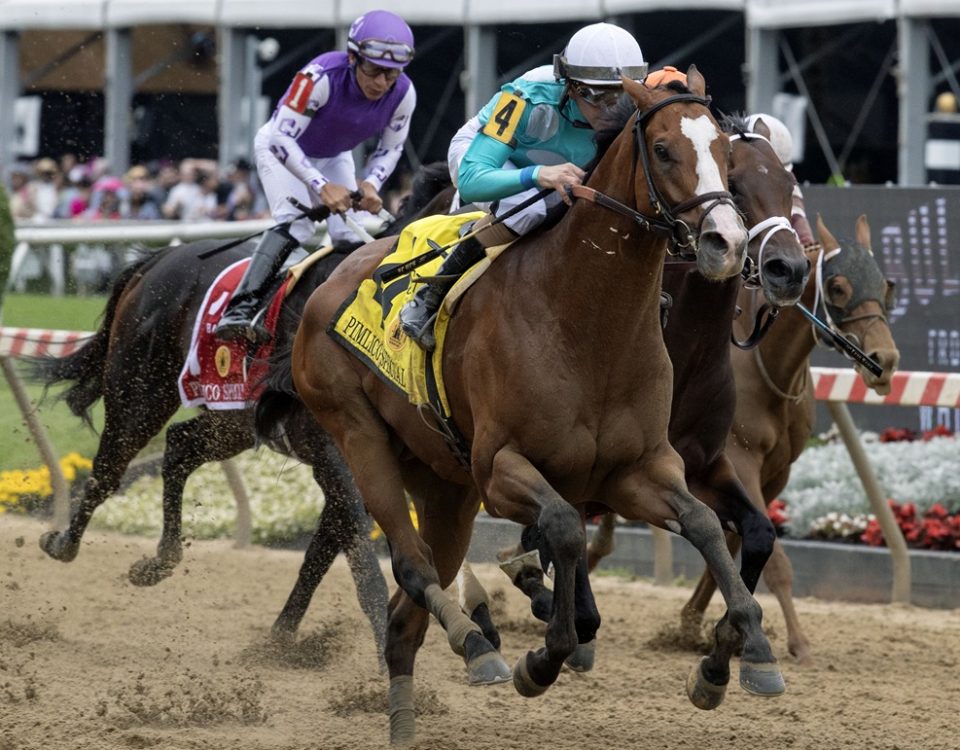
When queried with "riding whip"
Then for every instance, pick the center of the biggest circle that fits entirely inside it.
(318, 214)
(436, 250)
(854, 351)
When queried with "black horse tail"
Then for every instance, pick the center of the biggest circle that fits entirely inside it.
(279, 399)
(84, 367)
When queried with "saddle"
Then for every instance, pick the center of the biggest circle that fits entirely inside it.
(221, 374)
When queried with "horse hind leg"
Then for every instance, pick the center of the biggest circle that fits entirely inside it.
(343, 526)
(778, 575)
(602, 543)
(128, 427)
(210, 436)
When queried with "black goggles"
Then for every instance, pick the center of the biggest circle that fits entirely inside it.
(598, 96)
(374, 49)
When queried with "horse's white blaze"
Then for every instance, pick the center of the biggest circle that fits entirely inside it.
(702, 132)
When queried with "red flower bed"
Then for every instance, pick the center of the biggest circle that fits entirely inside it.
(936, 529)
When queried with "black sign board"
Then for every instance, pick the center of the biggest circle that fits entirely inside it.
(916, 238)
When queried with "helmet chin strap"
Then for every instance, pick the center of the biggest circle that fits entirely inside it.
(563, 105)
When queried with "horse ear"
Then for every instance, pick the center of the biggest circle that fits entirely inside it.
(638, 92)
(863, 233)
(760, 128)
(695, 81)
(826, 239)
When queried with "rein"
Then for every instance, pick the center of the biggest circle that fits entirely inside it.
(848, 345)
(795, 398)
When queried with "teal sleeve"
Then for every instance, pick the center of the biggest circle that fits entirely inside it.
(481, 176)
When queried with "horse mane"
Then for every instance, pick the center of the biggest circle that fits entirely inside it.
(429, 180)
(734, 123)
(614, 119)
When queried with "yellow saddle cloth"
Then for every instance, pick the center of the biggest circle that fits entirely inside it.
(368, 323)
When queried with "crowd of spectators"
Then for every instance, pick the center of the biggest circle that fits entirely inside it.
(191, 190)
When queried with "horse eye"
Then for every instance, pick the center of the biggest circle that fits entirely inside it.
(661, 152)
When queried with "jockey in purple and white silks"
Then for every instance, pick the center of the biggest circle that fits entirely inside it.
(304, 151)
(535, 133)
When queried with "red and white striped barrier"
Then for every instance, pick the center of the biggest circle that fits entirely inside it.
(906, 388)
(829, 384)
(35, 342)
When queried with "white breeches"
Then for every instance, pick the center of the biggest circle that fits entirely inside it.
(279, 184)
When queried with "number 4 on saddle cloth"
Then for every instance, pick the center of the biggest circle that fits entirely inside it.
(368, 323)
(227, 374)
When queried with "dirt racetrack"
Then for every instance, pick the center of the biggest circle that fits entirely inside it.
(88, 661)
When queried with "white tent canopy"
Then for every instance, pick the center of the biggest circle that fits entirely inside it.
(88, 14)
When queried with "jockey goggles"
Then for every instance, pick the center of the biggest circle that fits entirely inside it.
(374, 49)
(598, 96)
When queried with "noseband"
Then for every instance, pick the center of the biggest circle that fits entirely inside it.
(753, 271)
(683, 239)
(835, 323)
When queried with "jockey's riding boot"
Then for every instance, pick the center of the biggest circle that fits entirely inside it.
(417, 316)
(237, 320)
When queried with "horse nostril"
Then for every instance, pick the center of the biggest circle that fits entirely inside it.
(776, 269)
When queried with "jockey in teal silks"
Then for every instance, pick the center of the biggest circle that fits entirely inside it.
(536, 133)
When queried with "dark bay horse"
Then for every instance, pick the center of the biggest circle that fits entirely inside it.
(557, 375)
(775, 407)
(133, 363)
(774, 415)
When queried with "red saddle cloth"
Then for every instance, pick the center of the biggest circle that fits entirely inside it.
(222, 374)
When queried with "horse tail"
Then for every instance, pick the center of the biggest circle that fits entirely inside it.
(85, 367)
(279, 398)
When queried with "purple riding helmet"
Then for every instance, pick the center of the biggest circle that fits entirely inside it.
(383, 38)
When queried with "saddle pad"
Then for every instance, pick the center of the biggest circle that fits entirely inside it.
(225, 374)
(368, 323)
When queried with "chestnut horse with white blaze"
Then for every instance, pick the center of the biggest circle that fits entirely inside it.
(557, 376)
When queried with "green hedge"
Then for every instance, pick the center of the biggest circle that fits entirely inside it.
(6, 243)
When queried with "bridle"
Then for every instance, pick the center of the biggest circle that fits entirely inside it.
(666, 221)
(753, 271)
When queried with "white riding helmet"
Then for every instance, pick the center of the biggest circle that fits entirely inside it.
(780, 137)
(598, 54)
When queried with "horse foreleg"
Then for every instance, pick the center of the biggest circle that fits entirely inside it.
(518, 491)
(679, 511)
(759, 672)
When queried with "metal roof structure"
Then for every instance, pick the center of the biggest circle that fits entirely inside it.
(237, 22)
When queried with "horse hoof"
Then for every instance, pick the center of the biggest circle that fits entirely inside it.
(581, 660)
(149, 571)
(762, 679)
(488, 669)
(702, 693)
(282, 635)
(55, 544)
(523, 682)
